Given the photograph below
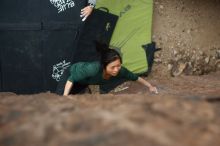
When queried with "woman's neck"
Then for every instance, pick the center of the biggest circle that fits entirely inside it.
(105, 75)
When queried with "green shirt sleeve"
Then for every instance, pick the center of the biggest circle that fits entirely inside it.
(83, 70)
(125, 73)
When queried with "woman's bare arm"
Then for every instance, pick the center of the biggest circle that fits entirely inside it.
(67, 88)
(146, 83)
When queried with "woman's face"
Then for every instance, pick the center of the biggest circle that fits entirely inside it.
(113, 68)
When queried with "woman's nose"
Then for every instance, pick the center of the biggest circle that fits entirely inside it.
(116, 69)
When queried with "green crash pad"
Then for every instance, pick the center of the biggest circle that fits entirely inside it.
(133, 29)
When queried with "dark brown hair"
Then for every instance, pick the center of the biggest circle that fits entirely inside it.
(107, 55)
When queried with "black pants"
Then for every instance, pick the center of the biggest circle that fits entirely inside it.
(77, 88)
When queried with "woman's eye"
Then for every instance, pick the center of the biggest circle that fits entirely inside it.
(118, 66)
(114, 67)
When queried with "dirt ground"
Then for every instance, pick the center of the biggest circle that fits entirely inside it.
(188, 31)
(185, 112)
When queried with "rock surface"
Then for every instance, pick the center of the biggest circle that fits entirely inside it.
(185, 112)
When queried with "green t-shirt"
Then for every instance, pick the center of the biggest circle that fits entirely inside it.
(92, 73)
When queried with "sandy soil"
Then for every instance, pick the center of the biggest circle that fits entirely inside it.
(185, 112)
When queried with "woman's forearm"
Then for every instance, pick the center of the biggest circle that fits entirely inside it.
(67, 88)
(144, 82)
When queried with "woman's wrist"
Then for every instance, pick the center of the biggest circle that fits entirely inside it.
(149, 86)
(91, 5)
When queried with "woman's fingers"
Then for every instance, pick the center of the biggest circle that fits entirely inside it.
(85, 12)
(84, 15)
(154, 89)
(84, 18)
